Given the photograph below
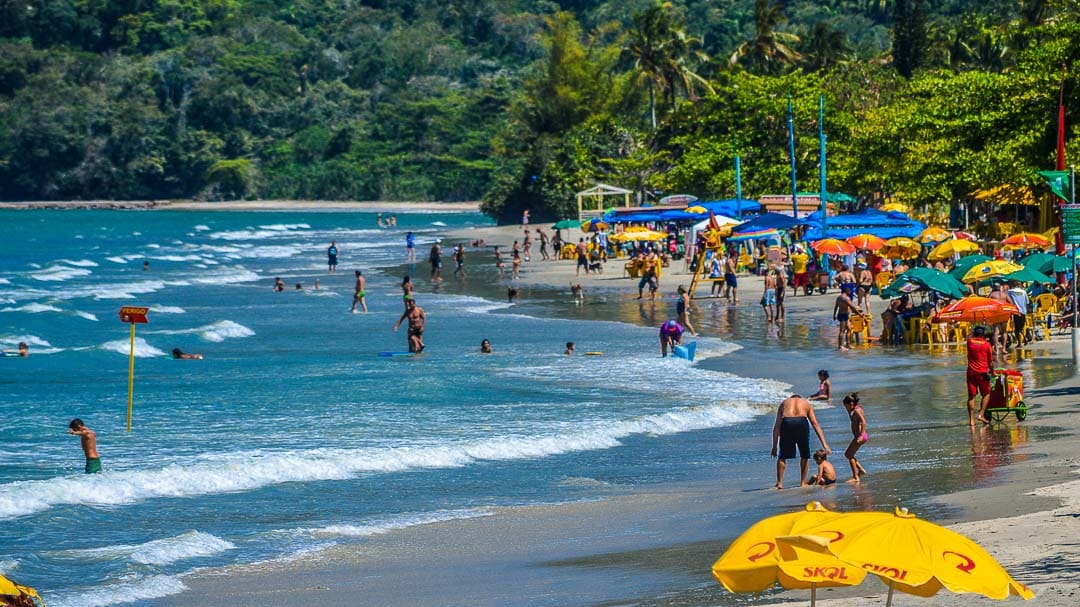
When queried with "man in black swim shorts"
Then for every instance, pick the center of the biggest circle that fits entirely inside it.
(792, 430)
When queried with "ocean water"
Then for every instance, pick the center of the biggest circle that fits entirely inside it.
(292, 434)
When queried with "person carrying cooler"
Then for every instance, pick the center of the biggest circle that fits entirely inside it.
(671, 334)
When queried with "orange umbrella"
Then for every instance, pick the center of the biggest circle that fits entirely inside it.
(1027, 240)
(866, 241)
(832, 246)
(977, 309)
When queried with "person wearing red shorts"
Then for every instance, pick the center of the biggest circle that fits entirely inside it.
(980, 369)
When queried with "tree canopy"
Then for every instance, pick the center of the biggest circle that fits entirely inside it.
(521, 103)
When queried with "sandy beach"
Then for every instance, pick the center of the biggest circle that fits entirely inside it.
(1022, 506)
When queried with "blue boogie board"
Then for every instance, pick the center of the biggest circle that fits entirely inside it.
(686, 351)
(388, 354)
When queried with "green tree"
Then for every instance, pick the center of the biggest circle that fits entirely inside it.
(768, 51)
(825, 47)
(909, 36)
(662, 50)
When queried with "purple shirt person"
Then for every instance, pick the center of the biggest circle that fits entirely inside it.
(670, 336)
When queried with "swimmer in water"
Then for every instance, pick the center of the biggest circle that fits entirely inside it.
(485, 347)
(569, 348)
(179, 354)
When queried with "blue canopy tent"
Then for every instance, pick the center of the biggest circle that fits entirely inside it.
(731, 207)
(768, 221)
(869, 221)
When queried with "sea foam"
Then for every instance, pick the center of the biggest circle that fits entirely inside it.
(246, 471)
(191, 544)
(32, 308)
(215, 332)
(57, 273)
(142, 589)
(123, 346)
(400, 522)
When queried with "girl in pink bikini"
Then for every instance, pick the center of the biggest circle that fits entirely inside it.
(858, 430)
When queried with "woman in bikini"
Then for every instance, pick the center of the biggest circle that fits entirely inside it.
(858, 430)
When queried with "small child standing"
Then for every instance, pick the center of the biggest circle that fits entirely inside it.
(858, 431)
(824, 391)
(826, 474)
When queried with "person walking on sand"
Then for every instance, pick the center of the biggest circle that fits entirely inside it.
(682, 309)
(410, 247)
(999, 337)
(331, 257)
(89, 444)
(417, 321)
(858, 431)
(842, 311)
(526, 245)
(583, 259)
(525, 218)
(515, 268)
(980, 369)
(358, 293)
(544, 256)
(792, 430)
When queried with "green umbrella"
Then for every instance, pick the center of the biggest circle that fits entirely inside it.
(962, 265)
(566, 224)
(1030, 275)
(1038, 261)
(926, 278)
(1061, 263)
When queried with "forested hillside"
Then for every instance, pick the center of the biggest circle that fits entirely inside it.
(521, 103)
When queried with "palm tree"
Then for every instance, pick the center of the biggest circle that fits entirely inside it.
(989, 51)
(825, 47)
(768, 49)
(662, 51)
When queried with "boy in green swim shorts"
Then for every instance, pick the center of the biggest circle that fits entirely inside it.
(358, 295)
(89, 444)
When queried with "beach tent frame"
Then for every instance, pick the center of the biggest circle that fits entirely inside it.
(591, 202)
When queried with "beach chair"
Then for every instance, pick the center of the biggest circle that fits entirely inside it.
(1047, 303)
(859, 326)
(882, 280)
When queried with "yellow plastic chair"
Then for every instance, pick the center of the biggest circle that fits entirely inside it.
(1047, 303)
(743, 263)
(882, 280)
(859, 326)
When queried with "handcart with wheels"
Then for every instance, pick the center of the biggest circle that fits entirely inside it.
(1006, 396)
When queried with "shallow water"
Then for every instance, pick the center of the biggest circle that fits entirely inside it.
(293, 434)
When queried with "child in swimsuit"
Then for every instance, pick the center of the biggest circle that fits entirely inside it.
(858, 430)
(824, 391)
(826, 473)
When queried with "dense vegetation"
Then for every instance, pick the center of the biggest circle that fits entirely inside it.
(521, 103)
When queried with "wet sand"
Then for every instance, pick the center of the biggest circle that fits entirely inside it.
(1011, 488)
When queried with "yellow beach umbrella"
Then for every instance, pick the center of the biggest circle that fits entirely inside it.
(951, 248)
(639, 235)
(756, 561)
(933, 234)
(900, 248)
(990, 269)
(9, 588)
(697, 210)
(915, 556)
(895, 206)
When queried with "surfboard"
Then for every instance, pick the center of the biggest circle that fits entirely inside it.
(388, 354)
(686, 351)
(594, 354)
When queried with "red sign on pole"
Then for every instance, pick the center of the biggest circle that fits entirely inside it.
(133, 315)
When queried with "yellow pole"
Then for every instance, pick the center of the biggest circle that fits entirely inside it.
(131, 374)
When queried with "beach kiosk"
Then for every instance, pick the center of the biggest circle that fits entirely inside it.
(593, 202)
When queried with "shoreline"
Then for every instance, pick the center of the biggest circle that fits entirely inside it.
(243, 205)
(1018, 518)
